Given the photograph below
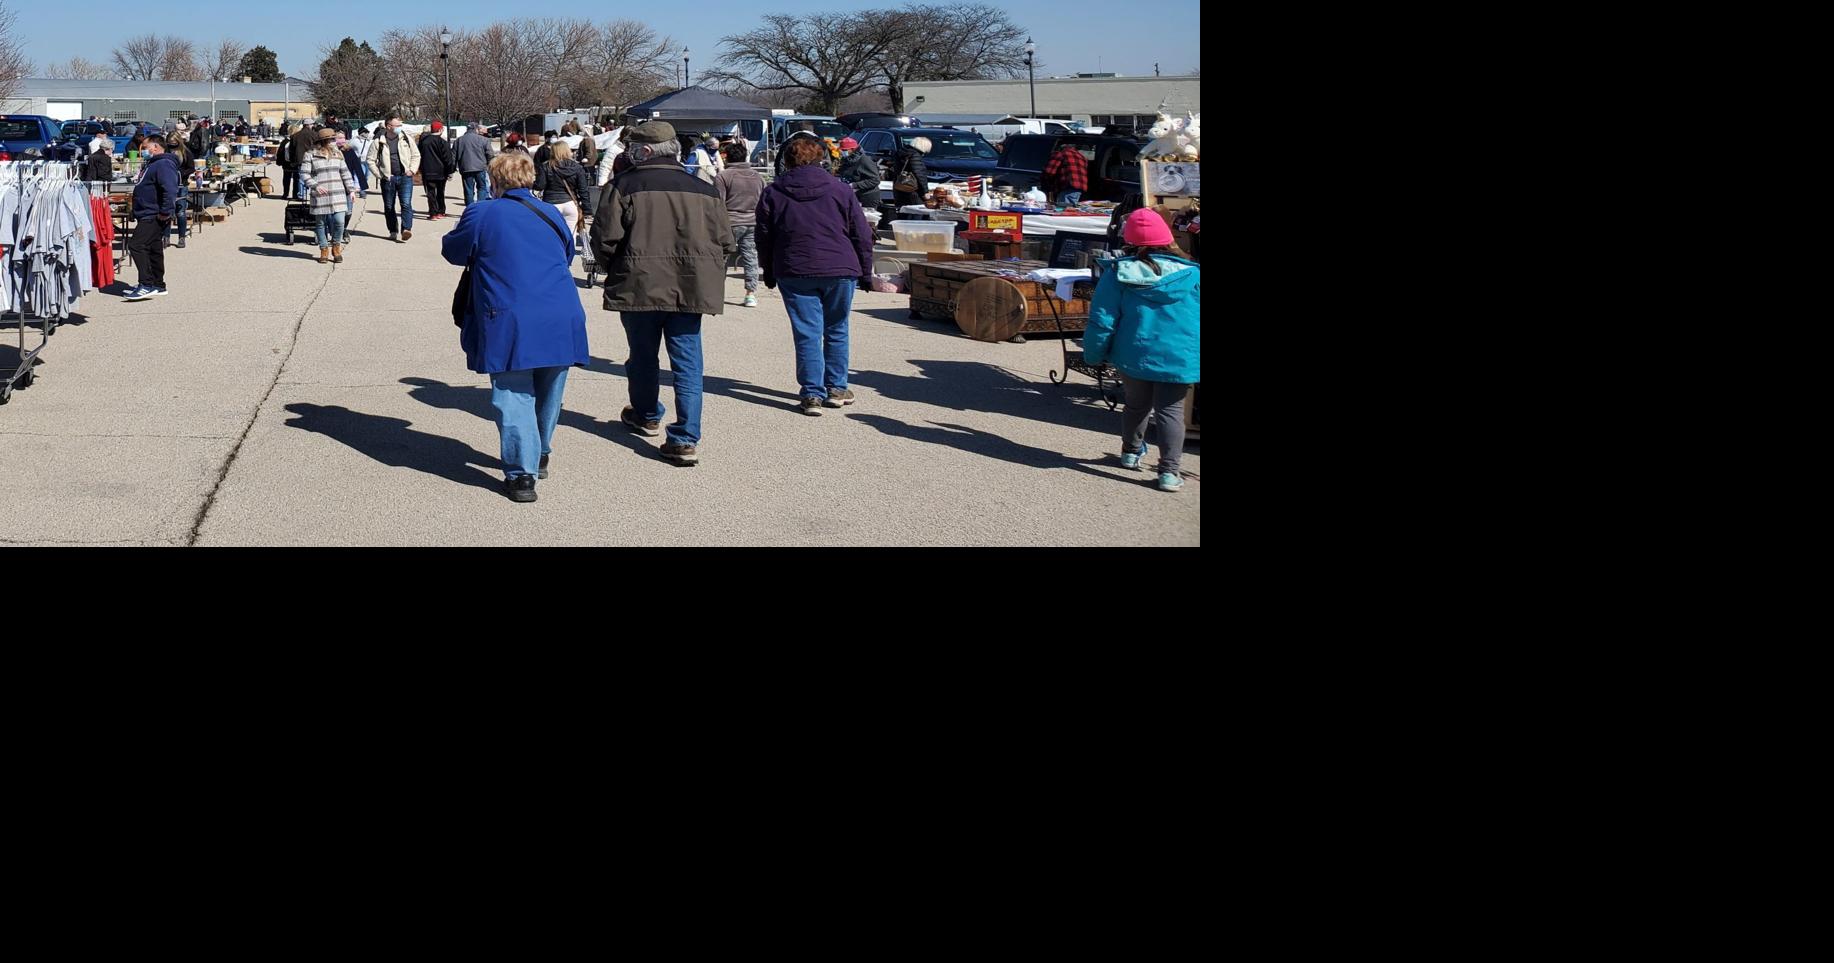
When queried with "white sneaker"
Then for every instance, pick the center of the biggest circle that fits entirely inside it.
(751, 300)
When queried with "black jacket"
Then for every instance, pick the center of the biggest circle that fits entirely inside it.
(908, 159)
(99, 167)
(436, 158)
(862, 174)
(552, 181)
(196, 141)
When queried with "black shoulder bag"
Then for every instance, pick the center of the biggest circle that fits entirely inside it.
(461, 295)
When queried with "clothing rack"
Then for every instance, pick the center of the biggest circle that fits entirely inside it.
(16, 176)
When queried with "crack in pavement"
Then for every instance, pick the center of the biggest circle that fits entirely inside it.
(203, 512)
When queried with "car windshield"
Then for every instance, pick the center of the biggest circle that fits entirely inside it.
(19, 130)
(820, 128)
(947, 146)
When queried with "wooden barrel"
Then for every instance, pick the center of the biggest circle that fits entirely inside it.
(990, 309)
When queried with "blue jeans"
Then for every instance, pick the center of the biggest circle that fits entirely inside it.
(746, 235)
(1070, 197)
(818, 324)
(401, 188)
(181, 214)
(477, 187)
(332, 223)
(528, 405)
(645, 330)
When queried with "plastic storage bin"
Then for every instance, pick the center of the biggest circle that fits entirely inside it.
(936, 236)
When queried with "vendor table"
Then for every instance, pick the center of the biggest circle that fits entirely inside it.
(1035, 224)
(939, 288)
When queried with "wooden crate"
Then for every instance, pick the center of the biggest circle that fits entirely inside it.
(214, 214)
(935, 286)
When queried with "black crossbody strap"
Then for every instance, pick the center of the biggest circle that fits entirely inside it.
(544, 220)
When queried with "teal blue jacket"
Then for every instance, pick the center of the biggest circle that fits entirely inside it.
(1146, 324)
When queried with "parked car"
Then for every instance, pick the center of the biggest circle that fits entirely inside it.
(81, 132)
(1114, 163)
(29, 136)
(873, 119)
(825, 127)
(956, 153)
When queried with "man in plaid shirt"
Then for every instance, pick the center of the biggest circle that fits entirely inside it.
(1066, 175)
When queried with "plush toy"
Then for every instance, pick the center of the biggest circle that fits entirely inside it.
(1189, 152)
(1165, 144)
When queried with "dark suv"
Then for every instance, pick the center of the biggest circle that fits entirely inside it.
(960, 153)
(1114, 162)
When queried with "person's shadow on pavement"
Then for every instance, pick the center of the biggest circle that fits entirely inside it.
(982, 443)
(393, 442)
(438, 394)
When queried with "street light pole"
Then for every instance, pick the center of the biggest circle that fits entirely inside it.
(213, 101)
(445, 47)
(686, 77)
(1031, 79)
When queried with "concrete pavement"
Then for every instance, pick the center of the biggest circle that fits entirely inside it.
(271, 400)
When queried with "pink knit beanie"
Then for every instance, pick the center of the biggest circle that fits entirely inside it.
(1145, 228)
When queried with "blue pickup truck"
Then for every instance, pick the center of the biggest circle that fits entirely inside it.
(29, 137)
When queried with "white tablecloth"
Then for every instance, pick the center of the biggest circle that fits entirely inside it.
(1042, 225)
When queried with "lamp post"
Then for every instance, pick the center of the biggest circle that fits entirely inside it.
(1031, 79)
(686, 78)
(213, 101)
(445, 47)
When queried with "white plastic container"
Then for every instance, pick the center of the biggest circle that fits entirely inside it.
(936, 236)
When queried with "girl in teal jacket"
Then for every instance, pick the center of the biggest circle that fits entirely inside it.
(1144, 319)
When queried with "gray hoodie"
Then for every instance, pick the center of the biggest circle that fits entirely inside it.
(740, 187)
(474, 153)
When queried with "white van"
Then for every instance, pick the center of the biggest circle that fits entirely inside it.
(1007, 126)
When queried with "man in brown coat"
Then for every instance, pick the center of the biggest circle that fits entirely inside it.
(664, 238)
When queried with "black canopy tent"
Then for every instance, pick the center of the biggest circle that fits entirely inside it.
(692, 107)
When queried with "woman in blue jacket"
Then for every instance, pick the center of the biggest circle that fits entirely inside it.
(524, 325)
(1144, 319)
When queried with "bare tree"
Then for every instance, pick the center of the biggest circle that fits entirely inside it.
(499, 79)
(139, 58)
(13, 65)
(76, 68)
(225, 60)
(179, 60)
(411, 59)
(975, 41)
(831, 56)
(628, 64)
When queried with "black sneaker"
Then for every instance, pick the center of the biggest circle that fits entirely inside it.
(810, 406)
(680, 454)
(648, 429)
(542, 472)
(520, 489)
(181, 243)
(839, 398)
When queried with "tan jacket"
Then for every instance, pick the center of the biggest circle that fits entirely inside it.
(663, 237)
(378, 154)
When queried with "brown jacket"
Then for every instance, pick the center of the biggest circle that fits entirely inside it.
(664, 238)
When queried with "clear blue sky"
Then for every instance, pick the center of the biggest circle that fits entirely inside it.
(1072, 35)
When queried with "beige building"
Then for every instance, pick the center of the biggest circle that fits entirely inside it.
(1100, 101)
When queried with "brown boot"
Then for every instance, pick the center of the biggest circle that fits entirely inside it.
(337, 253)
(324, 254)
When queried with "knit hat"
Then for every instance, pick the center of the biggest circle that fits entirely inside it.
(922, 144)
(848, 143)
(653, 132)
(1145, 228)
(437, 127)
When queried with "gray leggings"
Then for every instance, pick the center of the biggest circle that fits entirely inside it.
(1165, 404)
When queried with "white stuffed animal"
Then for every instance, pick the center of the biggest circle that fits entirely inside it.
(1189, 152)
(1165, 143)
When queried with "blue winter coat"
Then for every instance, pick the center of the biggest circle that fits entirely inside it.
(1147, 323)
(157, 189)
(525, 308)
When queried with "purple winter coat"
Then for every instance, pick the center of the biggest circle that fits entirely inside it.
(810, 225)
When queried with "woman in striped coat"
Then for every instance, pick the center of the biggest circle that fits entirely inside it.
(333, 192)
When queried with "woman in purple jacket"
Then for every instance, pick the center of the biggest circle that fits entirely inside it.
(813, 239)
